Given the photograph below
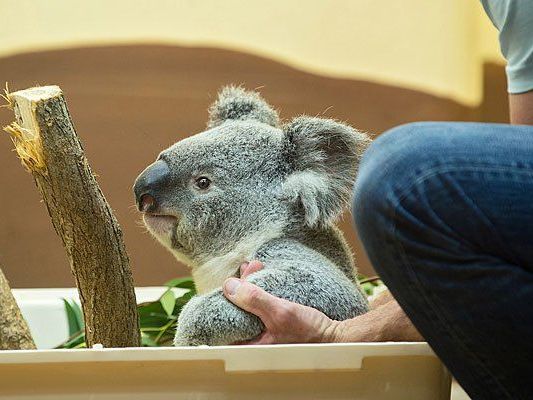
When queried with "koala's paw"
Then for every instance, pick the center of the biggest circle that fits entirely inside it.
(212, 320)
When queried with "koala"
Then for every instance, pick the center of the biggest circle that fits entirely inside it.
(251, 188)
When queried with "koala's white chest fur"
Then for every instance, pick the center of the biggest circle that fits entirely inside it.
(212, 274)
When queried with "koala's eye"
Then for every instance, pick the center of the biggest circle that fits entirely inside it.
(203, 183)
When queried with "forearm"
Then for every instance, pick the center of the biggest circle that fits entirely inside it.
(521, 108)
(385, 322)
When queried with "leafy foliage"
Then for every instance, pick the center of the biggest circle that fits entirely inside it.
(370, 285)
(158, 319)
(74, 316)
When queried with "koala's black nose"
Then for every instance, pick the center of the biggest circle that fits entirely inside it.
(149, 186)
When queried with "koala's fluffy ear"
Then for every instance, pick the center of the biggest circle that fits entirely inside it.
(325, 156)
(235, 103)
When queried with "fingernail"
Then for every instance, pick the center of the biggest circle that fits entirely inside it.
(231, 285)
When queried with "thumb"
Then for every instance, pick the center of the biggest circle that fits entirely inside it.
(251, 298)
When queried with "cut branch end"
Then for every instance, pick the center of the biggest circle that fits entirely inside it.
(28, 147)
(9, 103)
(25, 131)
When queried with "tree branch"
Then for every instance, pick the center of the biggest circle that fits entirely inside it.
(14, 331)
(49, 148)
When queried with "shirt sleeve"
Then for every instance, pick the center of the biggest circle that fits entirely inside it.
(514, 21)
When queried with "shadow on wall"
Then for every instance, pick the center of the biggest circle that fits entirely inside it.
(130, 102)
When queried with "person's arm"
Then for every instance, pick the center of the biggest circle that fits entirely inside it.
(385, 322)
(521, 108)
(514, 21)
(287, 322)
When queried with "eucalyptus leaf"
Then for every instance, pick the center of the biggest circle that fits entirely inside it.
(79, 313)
(73, 341)
(75, 321)
(183, 283)
(168, 301)
(147, 340)
(157, 318)
(152, 315)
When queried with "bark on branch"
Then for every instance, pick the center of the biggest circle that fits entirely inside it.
(49, 148)
(14, 331)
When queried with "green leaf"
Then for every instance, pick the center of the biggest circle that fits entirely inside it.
(368, 288)
(79, 314)
(74, 341)
(183, 283)
(168, 301)
(182, 300)
(75, 321)
(165, 331)
(152, 315)
(147, 341)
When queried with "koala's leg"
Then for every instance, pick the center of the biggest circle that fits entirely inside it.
(212, 320)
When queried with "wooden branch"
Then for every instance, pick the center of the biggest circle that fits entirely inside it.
(14, 331)
(49, 148)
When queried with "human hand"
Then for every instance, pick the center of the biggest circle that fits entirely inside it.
(288, 322)
(285, 321)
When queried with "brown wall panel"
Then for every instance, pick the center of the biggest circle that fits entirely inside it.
(129, 102)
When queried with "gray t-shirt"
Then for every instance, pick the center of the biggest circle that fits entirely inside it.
(514, 21)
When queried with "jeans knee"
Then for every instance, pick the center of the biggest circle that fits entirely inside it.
(394, 157)
(406, 145)
(391, 164)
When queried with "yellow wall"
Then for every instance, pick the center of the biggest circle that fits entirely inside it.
(433, 45)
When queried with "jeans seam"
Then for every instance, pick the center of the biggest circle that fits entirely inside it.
(511, 259)
(435, 309)
(470, 167)
(438, 169)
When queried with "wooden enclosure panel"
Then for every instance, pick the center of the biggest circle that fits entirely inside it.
(130, 102)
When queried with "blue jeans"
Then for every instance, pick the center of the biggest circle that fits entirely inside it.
(445, 213)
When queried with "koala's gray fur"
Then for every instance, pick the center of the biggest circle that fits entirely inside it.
(275, 194)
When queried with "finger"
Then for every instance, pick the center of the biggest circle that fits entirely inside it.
(251, 298)
(242, 269)
(250, 268)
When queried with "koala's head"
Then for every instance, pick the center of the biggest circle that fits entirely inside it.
(247, 177)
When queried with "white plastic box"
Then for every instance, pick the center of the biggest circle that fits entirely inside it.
(373, 371)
